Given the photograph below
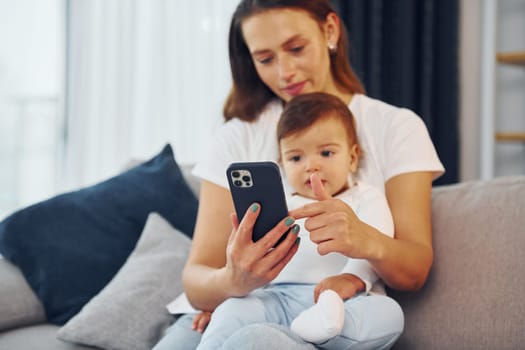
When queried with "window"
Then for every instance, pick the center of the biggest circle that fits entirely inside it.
(85, 86)
(31, 122)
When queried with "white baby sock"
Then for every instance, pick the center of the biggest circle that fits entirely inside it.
(323, 320)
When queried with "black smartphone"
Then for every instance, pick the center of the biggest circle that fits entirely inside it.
(258, 182)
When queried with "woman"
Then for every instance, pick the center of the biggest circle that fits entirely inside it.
(280, 49)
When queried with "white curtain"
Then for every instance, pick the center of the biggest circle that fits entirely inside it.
(141, 73)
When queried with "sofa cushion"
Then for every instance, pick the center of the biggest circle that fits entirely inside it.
(130, 312)
(70, 246)
(19, 305)
(472, 297)
(37, 337)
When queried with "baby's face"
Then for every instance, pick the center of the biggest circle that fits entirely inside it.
(324, 149)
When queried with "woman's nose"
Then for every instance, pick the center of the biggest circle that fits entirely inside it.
(286, 68)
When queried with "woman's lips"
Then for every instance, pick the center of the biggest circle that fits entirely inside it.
(294, 89)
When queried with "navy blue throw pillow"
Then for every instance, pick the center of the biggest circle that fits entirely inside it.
(70, 246)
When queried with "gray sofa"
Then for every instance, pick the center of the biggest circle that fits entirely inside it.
(471, 300)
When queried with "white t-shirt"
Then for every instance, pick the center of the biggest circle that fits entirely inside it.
(308, 266)
(394, 140)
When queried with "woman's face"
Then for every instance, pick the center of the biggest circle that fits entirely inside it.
(290, 51)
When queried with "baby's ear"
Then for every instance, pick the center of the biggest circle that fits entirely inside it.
(355, 154)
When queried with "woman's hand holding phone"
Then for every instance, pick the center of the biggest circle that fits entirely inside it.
(251, 265)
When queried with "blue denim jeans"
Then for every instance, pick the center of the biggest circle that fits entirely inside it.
(261, 321)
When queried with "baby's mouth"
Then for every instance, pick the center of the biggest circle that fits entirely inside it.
(308, 183)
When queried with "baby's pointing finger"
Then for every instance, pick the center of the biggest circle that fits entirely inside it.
(321, 193)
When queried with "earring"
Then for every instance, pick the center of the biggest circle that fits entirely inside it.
(332, 47)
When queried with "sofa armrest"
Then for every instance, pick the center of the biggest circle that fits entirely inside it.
(19, 305)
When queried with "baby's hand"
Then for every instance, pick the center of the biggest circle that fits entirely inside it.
(200, 321)
(345, 284)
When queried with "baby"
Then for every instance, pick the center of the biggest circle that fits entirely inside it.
(319, 150)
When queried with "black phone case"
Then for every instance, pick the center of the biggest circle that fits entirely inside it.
(266, 189)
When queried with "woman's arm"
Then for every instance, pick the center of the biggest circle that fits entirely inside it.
(208, 249)
(404, 262)
(224, 261)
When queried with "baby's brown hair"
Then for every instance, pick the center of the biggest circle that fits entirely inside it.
(304, 110)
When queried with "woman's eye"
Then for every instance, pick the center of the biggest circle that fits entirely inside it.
(326, 153)
(264, 60)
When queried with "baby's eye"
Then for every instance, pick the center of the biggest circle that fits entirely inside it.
(326, 153)
(297, 49)
(295, 159)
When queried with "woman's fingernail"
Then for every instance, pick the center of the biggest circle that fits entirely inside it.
(295, 229)
(289, 222)
(297, 240)
(254, 208)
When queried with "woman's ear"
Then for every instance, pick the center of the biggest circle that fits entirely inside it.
(332, 30)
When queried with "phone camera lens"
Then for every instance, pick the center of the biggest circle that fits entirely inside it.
(235, 174)
(246, 178)
(237, 183)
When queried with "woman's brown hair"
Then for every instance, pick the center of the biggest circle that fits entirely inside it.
(249, 95)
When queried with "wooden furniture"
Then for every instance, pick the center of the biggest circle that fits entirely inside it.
(516, 57)
(513, 58)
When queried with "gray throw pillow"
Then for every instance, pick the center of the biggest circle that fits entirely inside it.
(130, 312)
(19, 306)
